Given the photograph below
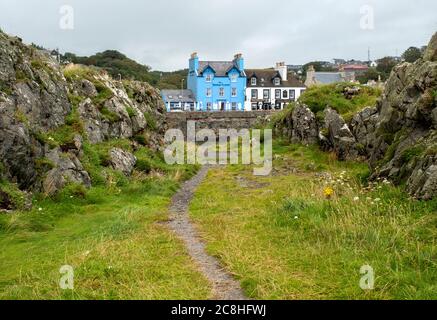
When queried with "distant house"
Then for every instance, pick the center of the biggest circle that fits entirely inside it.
(178, 100)
(321, 78)
(269, 89)
(217, 85)
(355, 68)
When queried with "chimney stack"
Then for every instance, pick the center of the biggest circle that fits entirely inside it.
(238, 56)
(239, 61)
(283, 70)
(194, 55)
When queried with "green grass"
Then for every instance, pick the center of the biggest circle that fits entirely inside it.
(112, 236)
(319, 97)
(283, 239)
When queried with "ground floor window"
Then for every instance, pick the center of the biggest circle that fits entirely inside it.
(254, 106)
(292, 95)
(254, 94)
(266, 94)
(209, 106)
(278, 94)
(234, 106)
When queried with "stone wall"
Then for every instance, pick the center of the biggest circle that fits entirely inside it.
(218, 120)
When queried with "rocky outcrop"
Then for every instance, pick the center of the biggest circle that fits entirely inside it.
(300, 125)
(122, 161)
(67, 169)
(363, 126)
(405, 136)
(339, 135)
(48, 112)
(398, 136)
(304, 128)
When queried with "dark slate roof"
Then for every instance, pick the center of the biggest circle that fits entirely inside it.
(221, 68)
(328, 77)
(177, 95)
(269, 75)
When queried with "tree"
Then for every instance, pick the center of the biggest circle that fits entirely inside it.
(412, 54)
(371, 74)
(385, 66)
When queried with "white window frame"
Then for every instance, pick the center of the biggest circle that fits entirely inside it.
(277, 81)
(209, 92)
(253, 81)
(208, 77)
(221, 92)
(266, 94)
(278, 96)
(234, 77)
(234, 92)
(292, 96)
(252, 91)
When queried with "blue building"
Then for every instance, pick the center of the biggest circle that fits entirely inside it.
(217, 85)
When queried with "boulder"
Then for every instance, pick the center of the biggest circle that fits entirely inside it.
(67, 169)
(122, 161)
(339, 135)
(304, 127)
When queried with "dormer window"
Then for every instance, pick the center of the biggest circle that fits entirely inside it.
(253, 81)
(209, 77)
(234, 77)
(277, 82)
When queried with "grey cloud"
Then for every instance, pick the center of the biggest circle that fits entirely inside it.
(163, 33)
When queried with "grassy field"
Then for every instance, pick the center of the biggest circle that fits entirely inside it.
(112, 235)
(287, 237)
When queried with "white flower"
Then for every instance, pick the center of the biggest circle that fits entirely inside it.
(296, 217)
(377, 200)
(357, 199)
(39, 209)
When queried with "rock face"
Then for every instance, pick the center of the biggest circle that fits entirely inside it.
(42, 104)
(67, 169)
(332, 133)
(299, 125)
(405, 136)
(122, 161)
(363, 126)
(398, 136)
(342, 140)
(304, 125)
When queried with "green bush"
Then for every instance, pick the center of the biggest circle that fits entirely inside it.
(11, 197)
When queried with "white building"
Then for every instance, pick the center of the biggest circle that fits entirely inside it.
(269, 89)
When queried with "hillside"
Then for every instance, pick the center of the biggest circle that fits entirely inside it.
(116, 64)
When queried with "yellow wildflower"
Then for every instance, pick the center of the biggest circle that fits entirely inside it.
(328, 192)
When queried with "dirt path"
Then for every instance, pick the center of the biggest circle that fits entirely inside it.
(225, 287)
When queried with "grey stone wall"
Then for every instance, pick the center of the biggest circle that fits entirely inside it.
(218, 120)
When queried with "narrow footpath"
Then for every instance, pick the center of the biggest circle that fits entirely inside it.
(225, 287)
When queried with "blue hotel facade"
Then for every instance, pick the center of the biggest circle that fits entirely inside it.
(217, 85)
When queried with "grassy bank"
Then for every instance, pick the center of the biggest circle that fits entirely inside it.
(112, 235)
(284, 238)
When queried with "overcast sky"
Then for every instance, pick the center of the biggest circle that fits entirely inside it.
(163, 33)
